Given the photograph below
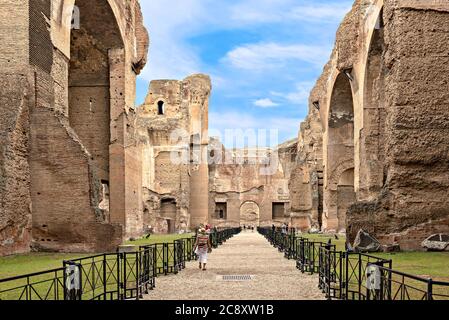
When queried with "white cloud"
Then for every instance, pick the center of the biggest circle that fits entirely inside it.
(170, 56)
(263, 56)
(285, 11)
(172, 22)
(301, 95)
(265, 103)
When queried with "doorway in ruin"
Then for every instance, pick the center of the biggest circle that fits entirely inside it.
(278, 211)
(345, 197)
(168, 208)
(169, 213)
(89, 87)
(249, 214)
(340, 152)
(221, 210)
(171, 226)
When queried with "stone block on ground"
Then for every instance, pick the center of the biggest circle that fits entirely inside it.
(364, 242)
(436, 242)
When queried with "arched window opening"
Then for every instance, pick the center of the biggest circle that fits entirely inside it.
(160, 108)
(340, 151)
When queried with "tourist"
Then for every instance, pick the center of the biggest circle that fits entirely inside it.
(203, 246)
(284, 229)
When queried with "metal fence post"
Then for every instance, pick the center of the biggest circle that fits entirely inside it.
(360, 276)
(125, 278)
(104, 277)
(346, 261)
(119, 278)
(430, 290)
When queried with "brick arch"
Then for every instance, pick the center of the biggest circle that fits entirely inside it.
(246, 212)
(248, 202)
(335, 175)
(63, 28)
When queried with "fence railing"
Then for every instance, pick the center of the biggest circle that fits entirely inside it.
(108, 276)
(353, 275)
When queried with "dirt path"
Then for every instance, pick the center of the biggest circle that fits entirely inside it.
(249, 253)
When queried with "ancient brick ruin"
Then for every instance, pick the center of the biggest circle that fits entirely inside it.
(249, 187)
(172, 129)
(82, 169)
(69, 179)
(383, 109)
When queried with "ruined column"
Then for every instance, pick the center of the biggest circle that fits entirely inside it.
(196, 93)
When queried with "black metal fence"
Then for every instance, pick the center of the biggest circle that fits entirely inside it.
(353, 275)
(108, 276)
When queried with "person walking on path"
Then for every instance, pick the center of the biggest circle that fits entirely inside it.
(203, 247)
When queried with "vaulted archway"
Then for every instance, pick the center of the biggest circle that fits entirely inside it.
(340, 153)
(95, 47)
(249, 214)
(372, 154)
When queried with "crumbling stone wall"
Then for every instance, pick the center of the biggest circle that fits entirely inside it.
(173, 115)
(306, 179)
(237, 179)
(66, 99)
(389, 56)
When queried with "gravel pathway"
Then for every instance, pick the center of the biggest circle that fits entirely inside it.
(249, 253)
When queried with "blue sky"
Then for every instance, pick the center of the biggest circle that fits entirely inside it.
(263, 55)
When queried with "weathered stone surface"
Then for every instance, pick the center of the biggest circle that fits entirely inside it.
(65, 100)
(364, 242)
(436, 242)
(81, 168)
(306, 178)
(381, 101)
(391, 248)
(250, 196)
(173, 112)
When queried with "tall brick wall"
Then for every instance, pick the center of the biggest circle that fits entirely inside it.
(15, 201)
(15, 99)
(57, 124)
(89, 98)
(41, 47)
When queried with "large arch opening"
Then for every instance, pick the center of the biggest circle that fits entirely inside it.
(249, 214)
(340, 153)
(89, 90)
(341, 120)
(374, 117)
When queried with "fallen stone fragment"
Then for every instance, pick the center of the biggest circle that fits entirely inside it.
(436, 242)
(364, 242)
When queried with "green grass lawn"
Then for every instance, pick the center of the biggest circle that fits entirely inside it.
(20, 264)
(433, 265)
(158, 238)
(340, 243)
(45, 284)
